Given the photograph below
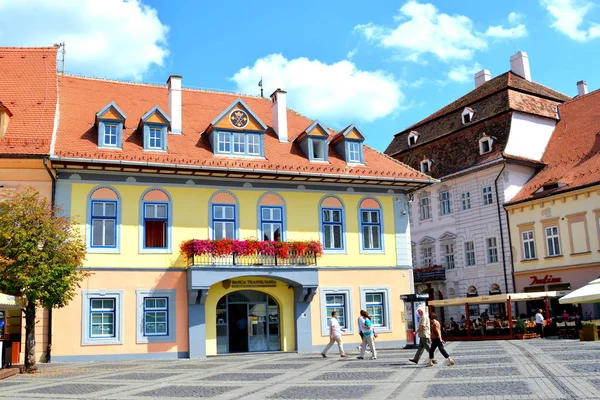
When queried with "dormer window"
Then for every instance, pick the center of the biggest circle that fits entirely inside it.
(467, 115)
(237, 132)
(313, 142)
(317, 149)
(412, 138)
(349, 144)
(155, 123)
(426, 166)
(485, 144)
(550, 186)
(5, 115)
(110, 122)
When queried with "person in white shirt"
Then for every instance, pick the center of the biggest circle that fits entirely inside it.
(335, 336)
(539, 322)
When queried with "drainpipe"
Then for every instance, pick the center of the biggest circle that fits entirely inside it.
(500, 225)
(53, 198)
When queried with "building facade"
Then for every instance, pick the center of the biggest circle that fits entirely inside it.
(555, 218)
(156, 175)
(483, 148)
(28, 104)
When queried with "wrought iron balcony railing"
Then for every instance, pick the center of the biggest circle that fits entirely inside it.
(431, 275)
(255, 260)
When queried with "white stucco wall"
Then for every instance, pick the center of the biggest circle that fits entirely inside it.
(515, 177)
(529, 136)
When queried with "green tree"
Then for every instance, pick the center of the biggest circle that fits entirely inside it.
(43, 255)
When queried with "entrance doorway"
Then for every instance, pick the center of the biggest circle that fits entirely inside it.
(247, 321)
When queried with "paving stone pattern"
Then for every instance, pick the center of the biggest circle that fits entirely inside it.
(527, 369)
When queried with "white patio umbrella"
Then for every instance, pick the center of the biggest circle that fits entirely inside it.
(590, 293)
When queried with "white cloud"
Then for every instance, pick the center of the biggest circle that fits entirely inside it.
(338, 92)
(463, 73)
(500, 31)
(423, 29)
(568, 16)
(352, 53)
(112, 38)
(515, 17)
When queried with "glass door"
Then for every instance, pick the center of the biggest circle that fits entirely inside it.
(257, 327)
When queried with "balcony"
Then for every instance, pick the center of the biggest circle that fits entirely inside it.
(255, 260)
(251, 253)
(428, 274)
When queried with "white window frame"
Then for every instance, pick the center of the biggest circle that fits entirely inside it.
(110, 130)
(413, 135)
(157, 139)
(425, 208)
(469, 112)
(170, 295)
(119, 322)
(426, 166)
(466, 201)
(488, 195)
(490, 143)
(224, 142)
(449, 256)
(445, 206)
(528, 240)
(387, 315)
(253, 142)
(470, 249)
(428, 253)
(354, 152)
(238, 139)
(492, 251)
(554, 239)
(346, 291)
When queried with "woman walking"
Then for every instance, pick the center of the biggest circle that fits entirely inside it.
(436, 341)
(367, 330)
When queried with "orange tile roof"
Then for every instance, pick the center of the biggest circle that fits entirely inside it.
(81, 98)
(572, 157)
(28, 89)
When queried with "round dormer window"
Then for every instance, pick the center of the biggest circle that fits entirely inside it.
(238, 118)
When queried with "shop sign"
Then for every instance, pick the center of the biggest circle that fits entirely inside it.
(544, 280)
(247, 283)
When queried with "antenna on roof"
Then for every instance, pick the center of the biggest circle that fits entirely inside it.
(260, 85)
(63, 51)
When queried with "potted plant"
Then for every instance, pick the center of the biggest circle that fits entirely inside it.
(520, 328)
(589, 331)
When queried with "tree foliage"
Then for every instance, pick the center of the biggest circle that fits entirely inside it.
(42, 255)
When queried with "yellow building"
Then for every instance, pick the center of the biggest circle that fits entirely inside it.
(555, 219)
(156, 175)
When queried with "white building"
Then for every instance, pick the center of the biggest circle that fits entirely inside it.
(483, 148)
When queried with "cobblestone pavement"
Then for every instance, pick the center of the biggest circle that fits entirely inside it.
(529, 369)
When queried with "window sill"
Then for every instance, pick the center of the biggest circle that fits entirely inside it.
(155, 251)
(380, 251)
(556, 256)
(103, 250)
(335, 251)
(581, 253)
(101, 342)
(528, 260)
(109, 148)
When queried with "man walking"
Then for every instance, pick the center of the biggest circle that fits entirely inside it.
(335, 336)
(539, 322)
(423, 332)
(437, 342)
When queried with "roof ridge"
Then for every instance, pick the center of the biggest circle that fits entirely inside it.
(511, 73)
(191, 89)
(579, 97)
(16, 48)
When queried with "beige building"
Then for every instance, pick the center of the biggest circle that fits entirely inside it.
(555, 219)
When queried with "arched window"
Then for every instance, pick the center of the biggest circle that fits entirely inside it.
(155, 221)
(331, 211)
(371, 231)
(103, 226)
(224, 221)
(271, 217)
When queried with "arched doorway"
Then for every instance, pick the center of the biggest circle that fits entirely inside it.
(248, 320)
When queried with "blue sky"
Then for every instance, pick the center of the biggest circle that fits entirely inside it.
(383, 65)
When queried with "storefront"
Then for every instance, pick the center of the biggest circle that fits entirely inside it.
(558, 279)
(10, 329)
(265, 310)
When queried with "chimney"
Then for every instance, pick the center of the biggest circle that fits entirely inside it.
(174, 100)
(279, 111)
(519, 64)
(582, 88)
(482, 77)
